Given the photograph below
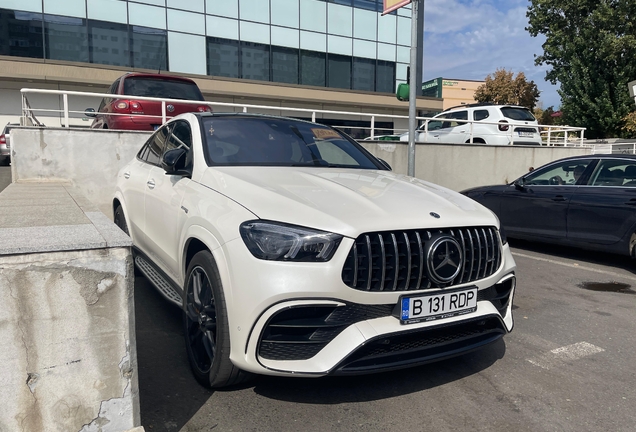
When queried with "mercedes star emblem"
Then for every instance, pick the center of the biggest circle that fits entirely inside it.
(170, 107)
(435, 215)
(444, 259)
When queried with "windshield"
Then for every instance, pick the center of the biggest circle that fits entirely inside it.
(262, 141)
(522, 114)
(162, 88)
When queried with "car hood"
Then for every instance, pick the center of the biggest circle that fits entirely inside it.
(345, 201)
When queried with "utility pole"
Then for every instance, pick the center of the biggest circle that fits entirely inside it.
(413, 87)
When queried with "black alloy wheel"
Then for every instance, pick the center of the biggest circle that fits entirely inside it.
(206, 328)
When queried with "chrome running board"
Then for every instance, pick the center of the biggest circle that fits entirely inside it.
(159, 281)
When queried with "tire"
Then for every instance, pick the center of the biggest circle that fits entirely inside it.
(205, 322)
(120, 220)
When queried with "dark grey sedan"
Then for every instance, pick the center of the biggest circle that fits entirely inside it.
(583, 201)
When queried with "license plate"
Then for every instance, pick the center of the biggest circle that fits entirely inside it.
(526, 134)
(438, 306)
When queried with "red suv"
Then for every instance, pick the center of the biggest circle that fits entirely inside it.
(124, 112)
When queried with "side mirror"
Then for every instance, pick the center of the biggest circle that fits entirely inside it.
(520, 183)
(386, 164)
(90, 112)
(173, 162)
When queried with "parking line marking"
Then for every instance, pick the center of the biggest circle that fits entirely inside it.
(564, 354)
(576, 266)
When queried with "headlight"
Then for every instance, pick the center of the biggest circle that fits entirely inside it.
(502, 231)
(280, 242)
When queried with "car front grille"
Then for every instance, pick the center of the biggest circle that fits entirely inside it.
(299, 333)
(396, 261)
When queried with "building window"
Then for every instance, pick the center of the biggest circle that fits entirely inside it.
(255, 61)
(284, 65)
(366, 4)
(149, 48)
(223, 57)
(339, 71)
(385, 77)
(313, 68)
(363, 74)
(22, 34)
(108, 43)
(65, 38)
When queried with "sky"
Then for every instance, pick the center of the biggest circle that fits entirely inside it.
(469, 39)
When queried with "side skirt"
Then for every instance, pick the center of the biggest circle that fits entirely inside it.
(168, 289)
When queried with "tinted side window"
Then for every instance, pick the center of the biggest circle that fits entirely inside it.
(181, 137)
(459, 115)
(562, 173)
(156, 145)
(614, 172)
(480, 114)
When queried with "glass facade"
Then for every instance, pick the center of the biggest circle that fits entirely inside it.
(343, 44)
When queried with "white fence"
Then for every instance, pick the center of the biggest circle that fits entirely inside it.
(551, 135)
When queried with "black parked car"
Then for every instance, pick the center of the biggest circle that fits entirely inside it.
(583, 201)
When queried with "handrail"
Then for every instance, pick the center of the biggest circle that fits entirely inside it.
(28, 112)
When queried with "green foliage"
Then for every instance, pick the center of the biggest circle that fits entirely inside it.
(503, 87)
(590, 48)
(629, 128)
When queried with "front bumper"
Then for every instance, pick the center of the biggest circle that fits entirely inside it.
(277, 310)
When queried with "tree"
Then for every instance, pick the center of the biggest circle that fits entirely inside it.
(590, 48)
(503, 88)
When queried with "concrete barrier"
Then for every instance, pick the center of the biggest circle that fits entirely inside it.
(462, 166)
(90, 159)
(67, 329)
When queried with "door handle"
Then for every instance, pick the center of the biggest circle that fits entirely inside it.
(151, 184)
(127, 175)
(559, 198)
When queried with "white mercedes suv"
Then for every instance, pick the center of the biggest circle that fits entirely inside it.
(293, 251)
(485, 123)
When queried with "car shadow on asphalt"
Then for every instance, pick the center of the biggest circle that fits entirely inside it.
(592, 257)
(170, 396)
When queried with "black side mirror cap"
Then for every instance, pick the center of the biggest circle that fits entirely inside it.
(519, 183)
(90, 112)
(173, 162)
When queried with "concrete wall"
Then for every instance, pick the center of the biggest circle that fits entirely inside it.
(461, 166)
(90, 160)
(67, 327)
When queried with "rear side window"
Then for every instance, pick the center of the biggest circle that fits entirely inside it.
(480, 115)
(521, 114)
(162, 88)
(459, 115)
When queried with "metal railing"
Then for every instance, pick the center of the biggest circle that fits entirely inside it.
(554, 135)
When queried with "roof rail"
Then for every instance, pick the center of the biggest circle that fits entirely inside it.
(478, 104)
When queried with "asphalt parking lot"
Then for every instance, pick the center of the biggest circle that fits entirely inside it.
(567, 366)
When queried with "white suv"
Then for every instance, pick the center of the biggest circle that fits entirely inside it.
(489, 124)
(293, 251)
